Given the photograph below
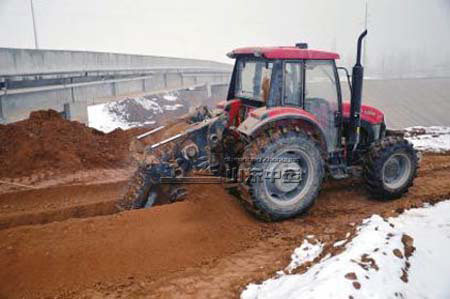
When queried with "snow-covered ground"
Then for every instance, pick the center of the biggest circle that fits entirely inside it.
(102, 118)
(401, 257)
(132, 112)
(432, 139)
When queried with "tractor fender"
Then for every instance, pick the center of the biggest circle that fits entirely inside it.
(265, 118)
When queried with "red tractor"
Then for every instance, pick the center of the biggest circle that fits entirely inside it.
(283, 128)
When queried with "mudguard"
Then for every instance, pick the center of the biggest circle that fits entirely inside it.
(262, 117)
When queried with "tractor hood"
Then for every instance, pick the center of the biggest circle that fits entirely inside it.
(368, 113)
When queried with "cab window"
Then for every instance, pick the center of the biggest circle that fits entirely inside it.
(254, 80)
(293, 84)
(321, 82)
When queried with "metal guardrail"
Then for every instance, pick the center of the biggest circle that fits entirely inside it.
(6, 91)
(130, 71)
(123, 75)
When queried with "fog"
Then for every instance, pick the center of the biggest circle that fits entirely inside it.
(407, 38)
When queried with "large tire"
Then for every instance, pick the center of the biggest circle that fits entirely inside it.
(287, 154)
(390, 167)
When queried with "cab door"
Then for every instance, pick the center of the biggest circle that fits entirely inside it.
(322, 98)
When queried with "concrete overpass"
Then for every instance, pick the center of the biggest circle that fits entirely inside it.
(69, 81)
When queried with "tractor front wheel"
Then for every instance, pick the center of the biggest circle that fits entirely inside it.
(390, 167)
(284, 173)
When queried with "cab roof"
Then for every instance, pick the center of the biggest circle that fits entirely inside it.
(283, 53)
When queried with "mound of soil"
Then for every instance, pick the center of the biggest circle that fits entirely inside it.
(47, 142)
(204, 247)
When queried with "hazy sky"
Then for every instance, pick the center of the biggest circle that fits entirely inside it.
(404, 35)
(196, 28)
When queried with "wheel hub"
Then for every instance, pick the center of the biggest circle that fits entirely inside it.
(392, 168)
(396, 171)
(287, 176)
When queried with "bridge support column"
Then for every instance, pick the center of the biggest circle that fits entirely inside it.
(77, 111)
(166, 84)
(114, 89)
(208, 89)
(2, 117)
(182, 79)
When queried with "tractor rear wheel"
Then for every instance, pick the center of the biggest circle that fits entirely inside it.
(390, 167)
(282, 175)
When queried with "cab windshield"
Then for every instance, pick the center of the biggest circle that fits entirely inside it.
(253, 79)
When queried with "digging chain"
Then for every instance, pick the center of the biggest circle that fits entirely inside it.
(135, 185)
(140, 184)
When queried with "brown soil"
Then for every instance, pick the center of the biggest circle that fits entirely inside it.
(50, 178)
(68, 239)
(206, 246)
(46, 142)
(58, 203)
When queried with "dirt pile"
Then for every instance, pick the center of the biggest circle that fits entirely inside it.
(47, 142)
(204, 247)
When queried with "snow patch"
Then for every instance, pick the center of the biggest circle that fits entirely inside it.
(339, 243)
(170, 97)
(110, 116)
(149, 104)
(374, 263)
(430, 139)
(307, 252)
(131, 112)
(102, 119)
(172, 107)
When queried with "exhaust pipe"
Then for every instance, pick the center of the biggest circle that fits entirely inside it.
(355, 108)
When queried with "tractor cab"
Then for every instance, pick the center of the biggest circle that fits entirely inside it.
(269, 80)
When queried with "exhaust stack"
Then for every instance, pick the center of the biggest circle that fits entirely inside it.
(355, 108)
